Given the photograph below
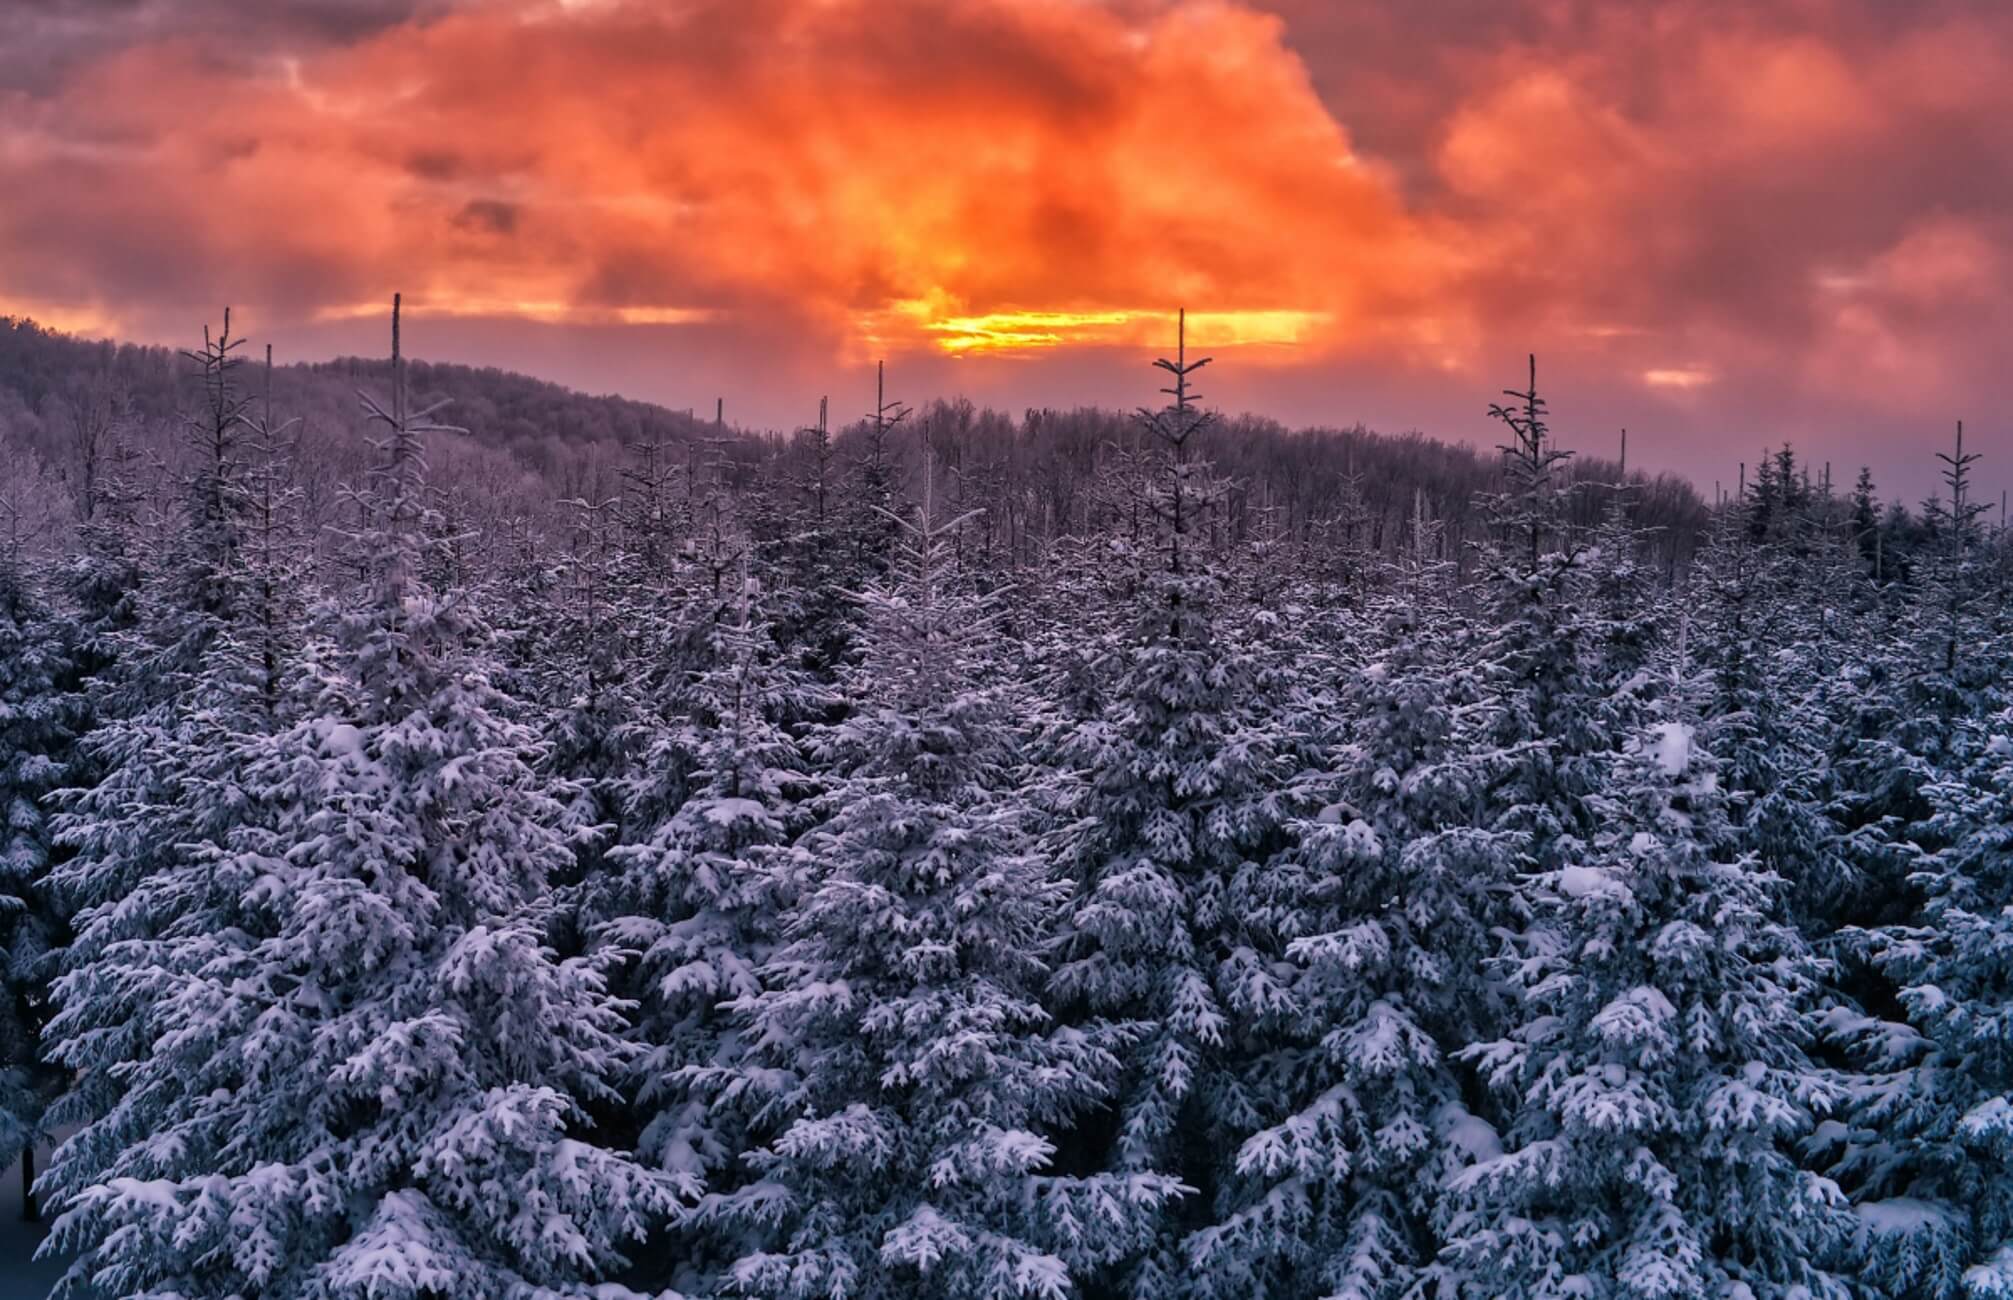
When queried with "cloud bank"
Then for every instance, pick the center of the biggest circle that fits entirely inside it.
(1722, 221)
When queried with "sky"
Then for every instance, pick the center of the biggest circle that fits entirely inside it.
(1722, 224)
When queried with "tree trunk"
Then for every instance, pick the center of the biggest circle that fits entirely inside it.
(30, 1212)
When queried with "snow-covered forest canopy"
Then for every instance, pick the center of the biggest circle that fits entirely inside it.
(465, 839)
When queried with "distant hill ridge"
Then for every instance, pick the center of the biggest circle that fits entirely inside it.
(556, 442)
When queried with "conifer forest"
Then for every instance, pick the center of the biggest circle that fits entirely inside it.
(938, 853)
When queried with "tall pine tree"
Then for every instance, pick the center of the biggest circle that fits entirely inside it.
(360, 1073)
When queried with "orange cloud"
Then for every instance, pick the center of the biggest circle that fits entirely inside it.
(1727, 213)
(899, 172)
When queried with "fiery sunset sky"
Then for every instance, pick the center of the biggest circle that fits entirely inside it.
(1721, 223)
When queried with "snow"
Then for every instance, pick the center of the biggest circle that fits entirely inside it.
(1583, 882)
(1469, 1132)
(1993, 1279)
(1634, 1020)
(343, 739)
(1673, 747)
(1637, 682)
(730, 812)
(1988, 1122)
(1903, 1215)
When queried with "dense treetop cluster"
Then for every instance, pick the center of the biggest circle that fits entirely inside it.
(972, 858)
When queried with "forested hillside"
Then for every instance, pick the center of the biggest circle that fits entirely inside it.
(532, 444)
(592, 852)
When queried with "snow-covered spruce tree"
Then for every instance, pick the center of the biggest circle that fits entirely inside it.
(1080, 606)
(357, 1075)
(172, 777)
(1956, 669)
(870, 536)
(583, 682)
(1761, 710)
(1619, 593)
(1271, 612)
(1076, 628)
(600, 645)
(693, 624)
(1549, 709)
(910, 1082)
(1826, 674)
(1548, 720)
(825, 531)
(526, 587)
(158, 773)
(1173, 822)
(1927, 1149)
(201, 576)
(262, 644)
(1398, 883)
(146, 604)
(39, 716)
(1657, 1078)
(812, 557)
(692, 906)
(1073, 614)
(152, 621)
(177, 783)
(101, 572)
(1934, 654)
(650, 512)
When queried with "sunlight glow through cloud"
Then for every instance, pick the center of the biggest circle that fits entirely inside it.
(1677, 377)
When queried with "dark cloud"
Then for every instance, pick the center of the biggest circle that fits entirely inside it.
(47, 40)
(490, 216)
(434, 165)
